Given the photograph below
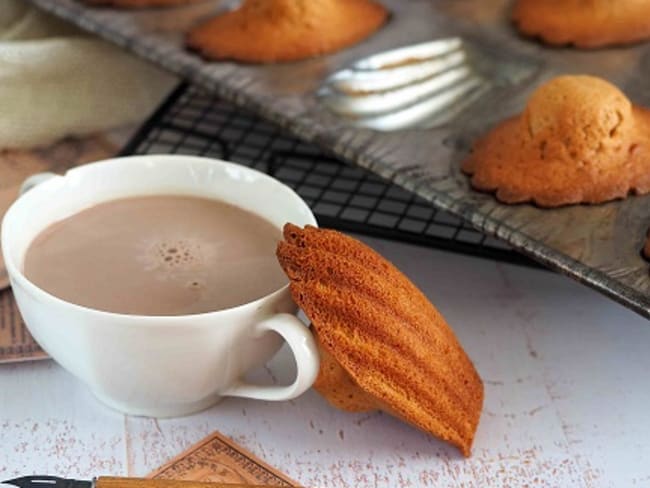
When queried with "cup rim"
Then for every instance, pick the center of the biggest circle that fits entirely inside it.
(15, 274)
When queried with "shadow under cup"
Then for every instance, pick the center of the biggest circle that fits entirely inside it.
(169, 365)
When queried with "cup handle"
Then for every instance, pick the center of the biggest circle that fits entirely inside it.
(35, 180)
(305, 353)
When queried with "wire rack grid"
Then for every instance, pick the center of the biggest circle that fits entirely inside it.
(342, 196)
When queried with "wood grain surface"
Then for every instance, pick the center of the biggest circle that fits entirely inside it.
(566, 402)
(565, 369)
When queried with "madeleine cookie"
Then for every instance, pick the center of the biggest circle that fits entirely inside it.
(586, 24)
(384, 345)
(579, 140)
(267, 31)
(338, 387)
(140, 3)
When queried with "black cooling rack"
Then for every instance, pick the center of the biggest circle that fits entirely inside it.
(341, 196)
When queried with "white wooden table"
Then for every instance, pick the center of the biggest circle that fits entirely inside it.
(567, 400)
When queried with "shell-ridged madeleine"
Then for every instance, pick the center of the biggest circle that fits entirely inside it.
(579, 140)
(268, 31)
(384, 345)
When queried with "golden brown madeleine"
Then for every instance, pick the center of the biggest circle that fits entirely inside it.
(584, 23)
(338, 387)
(135, 4)
(267, 31)
(579, 140)
(383, 341)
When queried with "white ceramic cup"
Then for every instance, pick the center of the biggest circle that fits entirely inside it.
(160, 366)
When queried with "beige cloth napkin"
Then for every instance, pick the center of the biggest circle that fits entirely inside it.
(56, 81)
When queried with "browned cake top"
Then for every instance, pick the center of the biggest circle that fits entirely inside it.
(266, 31)
(589, 115)
(579, 140)
(584, 23)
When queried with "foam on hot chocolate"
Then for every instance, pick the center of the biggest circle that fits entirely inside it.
(157, 255)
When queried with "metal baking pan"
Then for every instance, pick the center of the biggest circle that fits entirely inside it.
(597, 245)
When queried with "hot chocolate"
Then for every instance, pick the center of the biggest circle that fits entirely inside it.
(157, 255)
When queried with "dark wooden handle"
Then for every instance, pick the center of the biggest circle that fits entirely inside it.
(112, 482)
